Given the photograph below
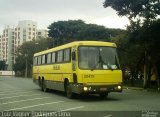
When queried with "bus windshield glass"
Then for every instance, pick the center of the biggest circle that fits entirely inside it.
(97, 57)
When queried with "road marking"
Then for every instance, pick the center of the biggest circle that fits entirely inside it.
(108, 115)
(72, 108)
(11, 90)
(6, 85)
(7, 89)
(16, 93)
(33, 106)
(24, 100)
(67, 109)
(18, 96)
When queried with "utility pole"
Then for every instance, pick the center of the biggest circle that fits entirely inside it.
(26, 70)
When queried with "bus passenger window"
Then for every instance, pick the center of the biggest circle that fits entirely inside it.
(67, 55)
(60, 56)
(53, 57)
(43, 59)
(35, 60)
(49, 58)
(39, 60)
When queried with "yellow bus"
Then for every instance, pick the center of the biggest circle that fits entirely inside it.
(80, 67)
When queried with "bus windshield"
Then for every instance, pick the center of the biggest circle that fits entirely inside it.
(97, 57)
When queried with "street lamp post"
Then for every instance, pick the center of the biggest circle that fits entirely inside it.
(26, 70)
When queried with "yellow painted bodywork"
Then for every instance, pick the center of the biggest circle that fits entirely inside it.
(88, 77)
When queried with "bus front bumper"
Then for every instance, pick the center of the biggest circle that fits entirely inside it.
(95, 89)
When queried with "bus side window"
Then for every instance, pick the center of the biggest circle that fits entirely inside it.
(35, 61)
(39, 60)
(67, 55)
(43, 59)
(53, 57)
(60, 56)
(48, 58)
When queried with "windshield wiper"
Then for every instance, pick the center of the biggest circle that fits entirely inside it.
(101, 62)
(109, 66)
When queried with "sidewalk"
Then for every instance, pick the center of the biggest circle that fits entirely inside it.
(133, 88)
(140, 89)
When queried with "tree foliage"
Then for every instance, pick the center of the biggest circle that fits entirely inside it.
(147, 9)
(76, 30)
(65, 31)
(25, 53)
(143, 31)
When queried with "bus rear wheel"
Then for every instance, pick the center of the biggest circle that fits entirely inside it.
(43, 87)
(69, 92)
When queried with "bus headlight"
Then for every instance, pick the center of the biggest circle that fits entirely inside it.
(85, 88)
(119, 87)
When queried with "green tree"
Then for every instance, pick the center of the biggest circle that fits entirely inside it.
(140, 9)
(142, 14)
(94, 32)
(76, 30)
(65, 31)
(25, 53)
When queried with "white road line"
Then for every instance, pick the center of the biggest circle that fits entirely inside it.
(68, 109)
(72, 108)
(6, 85)
(16, 93)
(7, 88)
(11, 90)
(24, 100)
(18, 96)
(33, 106)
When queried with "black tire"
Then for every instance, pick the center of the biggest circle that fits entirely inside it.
(69, 92)
(43, 86)
(103, 95)
(39, 82)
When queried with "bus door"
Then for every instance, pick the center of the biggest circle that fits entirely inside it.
(74, 58)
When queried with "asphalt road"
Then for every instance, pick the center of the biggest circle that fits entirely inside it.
(20, 97)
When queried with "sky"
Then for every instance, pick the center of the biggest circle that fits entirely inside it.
(46, 12)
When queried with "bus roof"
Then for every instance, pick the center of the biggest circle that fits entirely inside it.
(77, 43)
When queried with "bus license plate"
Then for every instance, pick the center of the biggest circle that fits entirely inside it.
(103, 89)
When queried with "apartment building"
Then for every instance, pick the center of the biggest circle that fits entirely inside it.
(7, 46)
(14, 37)
(42, 33)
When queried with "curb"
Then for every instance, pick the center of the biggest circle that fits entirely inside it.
(141, 89)
(134, 88)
